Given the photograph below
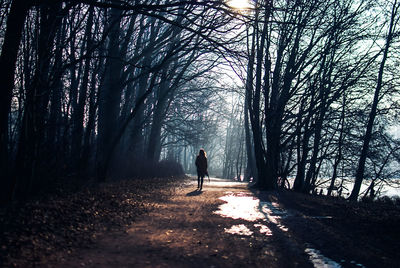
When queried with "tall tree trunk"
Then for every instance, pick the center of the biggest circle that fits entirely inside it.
(339, 156)
(251, 169)
(311, 172)
(256, 101)
(158, 119)
(368, 133)
(110, 97)
(240, 152)
(324, 90)
(90, 128)
(302, 147)
(54, 130)
(137, 135)
(32, 148)
(8, 58)
(78, 116)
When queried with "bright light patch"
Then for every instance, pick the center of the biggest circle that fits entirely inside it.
(240, 206)
(240, 229)
(319, 260)
(264, 229)
(239, 4)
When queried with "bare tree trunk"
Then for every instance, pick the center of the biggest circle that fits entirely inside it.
(89, 130)
(311, 172)
(158, 119)
(251, 169)
(240, 153)
(255, 103)
(32, 149)
(137, 136)
(339, 156)
(368, 133)
(302, 147)
(8, 58)
(110, 97)
(54, 130)
(78, 115)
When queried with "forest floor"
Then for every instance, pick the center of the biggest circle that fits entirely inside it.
(168, 223)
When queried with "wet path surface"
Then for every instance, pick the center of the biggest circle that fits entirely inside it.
(224, 225)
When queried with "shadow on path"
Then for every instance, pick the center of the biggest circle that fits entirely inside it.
(194, 193)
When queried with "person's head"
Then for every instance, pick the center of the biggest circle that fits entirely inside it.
(203, 153)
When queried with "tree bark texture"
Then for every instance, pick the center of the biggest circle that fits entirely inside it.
(8, 58)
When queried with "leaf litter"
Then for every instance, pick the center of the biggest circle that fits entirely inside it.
(38, 230)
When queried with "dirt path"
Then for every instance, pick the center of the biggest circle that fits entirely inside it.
(189, 231)
(164, 222)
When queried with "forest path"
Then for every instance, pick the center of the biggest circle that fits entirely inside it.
(192, 229)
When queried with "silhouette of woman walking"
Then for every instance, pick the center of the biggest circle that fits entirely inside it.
(201, 165)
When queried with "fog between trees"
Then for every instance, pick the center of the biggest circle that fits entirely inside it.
(107, 89)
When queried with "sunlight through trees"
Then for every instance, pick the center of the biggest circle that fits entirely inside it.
(298, 91)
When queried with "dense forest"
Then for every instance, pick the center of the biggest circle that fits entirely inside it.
(101, 89)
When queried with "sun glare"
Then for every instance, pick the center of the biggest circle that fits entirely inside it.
(239, 4)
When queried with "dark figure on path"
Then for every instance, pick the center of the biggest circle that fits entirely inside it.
(201, 165)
